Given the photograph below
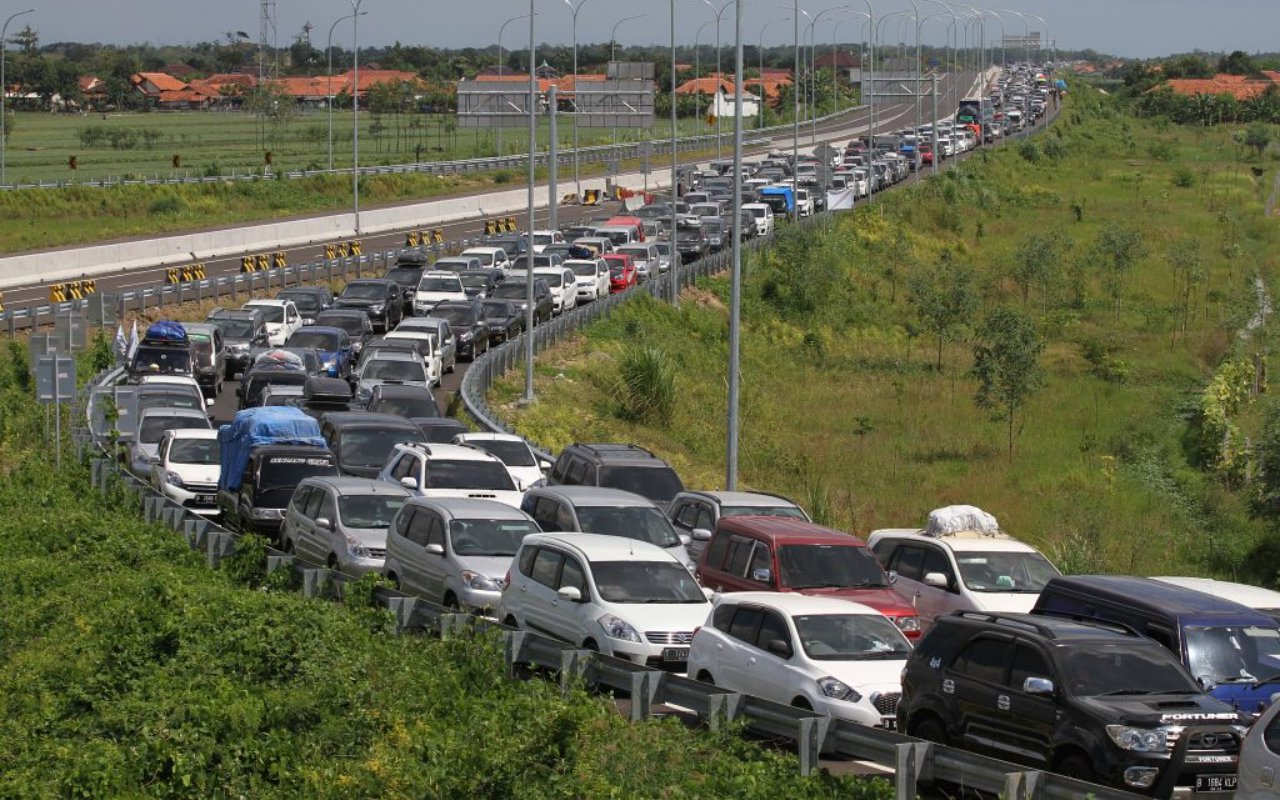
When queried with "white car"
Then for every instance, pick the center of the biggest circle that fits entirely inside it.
(763, 215)
(944, 568)
(187, 468)
(430, 348)
(1265, 600)
(527, 470)
(622, 597)
(543, 238)
(455, 551)
(563, 282)
(804, 203)
(281, 316)
(494, 257)
(823, 654)
(450, 470)
(436, 287)
(1260, 758)
(592, 277)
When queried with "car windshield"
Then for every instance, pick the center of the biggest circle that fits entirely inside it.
(646, 582)
(271, 314)
(286, 471)
(162, 360)
(585, 268)
(655, 483)
(170, 399)
(498, 310)
(194, 451)
(1233, 653)
(368, 510)
(474, 280)
(637, 253)
(489, 537)
(306, 303)
(552, 278)
(384, 369)
(409, 406)
(236, 328)
(761, 511)
(405, 276)
(1005, 572)
(542, 238)
(153, 428)
(364, 291)
(1123, 669)
(513, 453)
(353, 325)
(510, 290)
(454, 315)
(820, 566)
(441, 284)
(369, 447)
(320, 340)
(486, 259)
(643, 523)
(447, 473)
(850, 637)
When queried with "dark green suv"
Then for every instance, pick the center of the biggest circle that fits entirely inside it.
(1091, 701)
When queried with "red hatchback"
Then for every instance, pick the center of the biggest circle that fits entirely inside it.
(622, 272)
(783, 554)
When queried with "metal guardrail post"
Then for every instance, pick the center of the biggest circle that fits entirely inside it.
(915, 764)
(314, 580)
(221, 544)
(1023, 785)
(573, 664)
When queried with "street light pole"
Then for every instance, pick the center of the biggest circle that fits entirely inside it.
(697, 69)
(355, 106)
(4, 92)
(577, 181)
(501, 68)
(719, 77)
(760, 55)
(533, 149)
(613, 35)
(735, 292)
(329, 50)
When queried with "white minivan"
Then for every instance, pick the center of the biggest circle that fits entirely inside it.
(763, 215)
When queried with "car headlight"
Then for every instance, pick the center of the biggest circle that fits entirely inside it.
(466, 337)
(908, 624)
(478, 582)
(378, 309)
(266, 513)
(173, 479)
(839, 690)
(616, 628)
(357, 549)
(330, 363)
(1139, 740)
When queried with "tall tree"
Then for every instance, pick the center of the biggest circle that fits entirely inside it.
(1117, 251)
(946, 298)
(1006, 364)
(1037, 262)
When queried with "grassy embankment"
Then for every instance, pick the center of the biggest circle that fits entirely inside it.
(851, 404)
(128, 669)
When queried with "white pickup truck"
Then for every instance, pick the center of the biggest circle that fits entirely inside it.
(281, 316)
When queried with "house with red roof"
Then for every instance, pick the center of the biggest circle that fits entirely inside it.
(1241, 87)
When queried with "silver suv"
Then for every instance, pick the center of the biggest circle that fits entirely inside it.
(613, 512)
(341, 522)
(450, 470)
(695, 514)
(455, 551)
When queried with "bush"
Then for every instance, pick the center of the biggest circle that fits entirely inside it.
(1183, 177)
(646, 390)
(1029, 150)
(168, 205)
(502, 176)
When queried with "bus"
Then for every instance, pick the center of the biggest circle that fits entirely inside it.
(979, 112)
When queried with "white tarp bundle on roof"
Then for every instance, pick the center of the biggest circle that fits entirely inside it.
(953, 519)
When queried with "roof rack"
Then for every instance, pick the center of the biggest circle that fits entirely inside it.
(1045, 630)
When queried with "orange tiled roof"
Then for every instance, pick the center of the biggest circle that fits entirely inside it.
(709, 84)
(162, 81)
(1238, 86)
(1272, 75)
(311, 86)
(372, 77)
(184, 95)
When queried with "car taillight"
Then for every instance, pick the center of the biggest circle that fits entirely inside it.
(506, 581)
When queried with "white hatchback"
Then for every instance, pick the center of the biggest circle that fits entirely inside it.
(592, 277)
(187, 468)
(822, 654)
(622, 597)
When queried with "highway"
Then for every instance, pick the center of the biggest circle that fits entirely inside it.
(888, 118)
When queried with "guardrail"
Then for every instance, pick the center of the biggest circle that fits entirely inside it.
(915, 762)
(595, 154)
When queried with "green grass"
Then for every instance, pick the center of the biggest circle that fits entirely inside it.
(234, 143)
(844, 410)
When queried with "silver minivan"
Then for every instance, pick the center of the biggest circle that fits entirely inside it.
(341, 522)
(598, 509)
(645, 257)
(455, 551)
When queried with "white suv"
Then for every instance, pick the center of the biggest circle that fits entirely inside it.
(591, 277)
(944, 568)
(563, 283)
(450, 470)
(282, 319)
(436, 287)
(820, 653)
(622, 597)
(187, 468)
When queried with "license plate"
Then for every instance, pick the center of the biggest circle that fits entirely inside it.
(1216, 783)
(206, 499)
(675, 654)
(889, 723)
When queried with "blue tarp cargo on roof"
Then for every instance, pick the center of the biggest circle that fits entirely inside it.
(254, 427)
(166, 330)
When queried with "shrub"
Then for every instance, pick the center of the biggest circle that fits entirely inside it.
(646, 390)
(1183, 177)
(1029, 150)
(167, 205)
(502, 176)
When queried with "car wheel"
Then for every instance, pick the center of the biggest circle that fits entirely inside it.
(289, 548)
(802, 704)
(395, 580)
(929, 728)
(451, 602)
(510, 622)
(332, 562)
(1076, 765)
(706, 678)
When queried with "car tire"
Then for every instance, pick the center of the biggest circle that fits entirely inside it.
(706, 678)
(1076, 765)
(451, 602)
(395, 580)
(511, 622)
(929, 728)
(802, 704)
(332, 562)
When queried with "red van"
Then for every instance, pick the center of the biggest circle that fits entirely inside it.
(627, 222)
(783, 554)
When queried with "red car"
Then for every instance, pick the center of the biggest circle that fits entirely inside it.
(926, 154)
(784, 554)
(622, 272)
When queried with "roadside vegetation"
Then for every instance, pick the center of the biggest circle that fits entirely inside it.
(129, 669)
(1072, 332)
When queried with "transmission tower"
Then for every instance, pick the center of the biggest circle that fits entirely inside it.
(268, 63)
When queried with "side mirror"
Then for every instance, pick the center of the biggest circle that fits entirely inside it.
(435, 549)
(544, 465)
(709, 593)
(778, 648)
(1038, 686)
(684, 538)
(324, 523)
(761, 574)
(1205, 683)
(701, 535)
(208, 402)
(892, 575)
(408, 483)
(571, 593)
(936, 579)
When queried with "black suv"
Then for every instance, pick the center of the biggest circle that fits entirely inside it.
(617, 466)
(407, 273)
(470, 327)
(380, 298)
(1091, 701)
